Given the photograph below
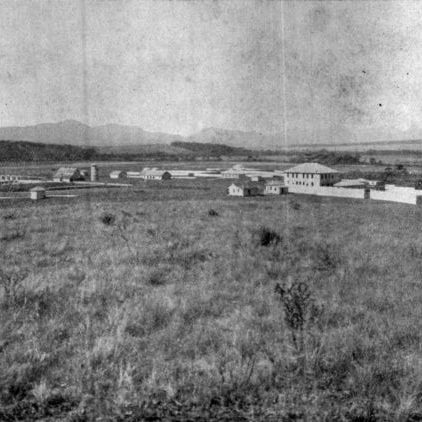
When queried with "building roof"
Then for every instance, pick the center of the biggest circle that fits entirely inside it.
(38, 189)
(315, 168)
(351, 182)
(66, 171)
(247, 185)
(154, 172)
(275, 183)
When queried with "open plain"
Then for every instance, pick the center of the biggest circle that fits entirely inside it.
(172, 301)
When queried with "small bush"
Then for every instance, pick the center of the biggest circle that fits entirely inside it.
(108, 219)
(12, 283)
(267, 237)
(297, 304)
(326, 257)
(157, 277)
(15, 235)
(9, 216)
(295, 205)
(213, 213)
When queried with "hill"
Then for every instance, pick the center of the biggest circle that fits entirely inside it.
(113, 135)
(76, 133)
(31, 151)
(212, 149)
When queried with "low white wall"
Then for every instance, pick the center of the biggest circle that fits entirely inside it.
(397, 194)
(406, 195)
(328, 191)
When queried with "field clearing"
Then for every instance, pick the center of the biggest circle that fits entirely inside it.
(142, 303)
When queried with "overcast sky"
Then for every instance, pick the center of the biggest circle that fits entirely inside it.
(327, 71)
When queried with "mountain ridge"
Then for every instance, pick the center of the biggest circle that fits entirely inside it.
(74, 132)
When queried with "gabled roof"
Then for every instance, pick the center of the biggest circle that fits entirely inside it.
(247, 185)
(66, 171)
(38, 189)
(351, 182)
(154, 172)
(275, 183)
(315, 168)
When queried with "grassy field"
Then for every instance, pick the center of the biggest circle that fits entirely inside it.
(137, 304)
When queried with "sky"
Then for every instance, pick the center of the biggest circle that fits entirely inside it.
(314, 71)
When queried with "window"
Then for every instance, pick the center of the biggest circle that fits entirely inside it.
(312, 183)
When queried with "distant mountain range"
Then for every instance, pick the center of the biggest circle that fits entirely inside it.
(76, 133)
(116, 136)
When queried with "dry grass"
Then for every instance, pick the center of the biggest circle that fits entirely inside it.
(187, 317)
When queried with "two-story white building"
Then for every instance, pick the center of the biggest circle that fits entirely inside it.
(310, 175)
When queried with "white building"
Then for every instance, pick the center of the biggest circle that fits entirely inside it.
(275, 187)
(244, 189)
(37, 193)
(118, 174)
(154, 174)
(310, 175)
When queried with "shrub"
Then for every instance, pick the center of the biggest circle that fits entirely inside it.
(267, 237)
(297, 304)
(108, 219)
(326, 256)
(11, 282)
(9, 216)
(294, 205)
(157, 277)
(213, 213)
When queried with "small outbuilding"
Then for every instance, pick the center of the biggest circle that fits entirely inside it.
(275, 187)
(38, 192)
(245, 189)
(67, 174)
(118, 174)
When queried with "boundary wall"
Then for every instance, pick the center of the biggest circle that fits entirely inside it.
(406, 195)
(392, 193)
(328, 191)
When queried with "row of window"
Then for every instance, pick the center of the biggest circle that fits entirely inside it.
(311, 176)
(303, 183)
(304, 175)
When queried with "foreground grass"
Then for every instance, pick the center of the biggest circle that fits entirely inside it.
(153, 307)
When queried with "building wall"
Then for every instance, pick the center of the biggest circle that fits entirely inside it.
(396, 194)
(404, 195)
(310, 179)
(235, 191)
(275, 190)
(328, 191)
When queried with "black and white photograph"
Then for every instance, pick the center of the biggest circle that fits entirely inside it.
(210, 210)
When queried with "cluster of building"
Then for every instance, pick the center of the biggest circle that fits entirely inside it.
(73, 174)
(311, 175)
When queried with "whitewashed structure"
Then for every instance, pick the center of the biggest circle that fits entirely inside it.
(275, 187)
(244, 189)
(118, 174)
(311, 175)
(155, 174)
(36, 193)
